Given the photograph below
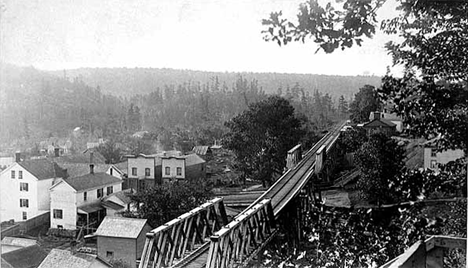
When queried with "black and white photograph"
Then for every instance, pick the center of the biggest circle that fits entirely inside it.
(233, 133)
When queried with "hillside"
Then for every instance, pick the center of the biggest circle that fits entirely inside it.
(129, 82)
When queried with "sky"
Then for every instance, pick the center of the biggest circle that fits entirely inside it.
(209, 35)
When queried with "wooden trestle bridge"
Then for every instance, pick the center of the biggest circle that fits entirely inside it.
(203, 237)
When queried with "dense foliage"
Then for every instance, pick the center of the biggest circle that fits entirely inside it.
(432, 96)
(163, 203)
(352, 139)
(365, 102)
(174, 116)
(261, 136)
(367, 237)
(380, 161)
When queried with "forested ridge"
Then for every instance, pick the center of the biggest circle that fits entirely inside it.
(131, 81)
(190, 109)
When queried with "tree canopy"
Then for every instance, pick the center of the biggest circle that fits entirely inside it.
(380, 161)
(163, 203)
(432, 96)
(261, 136)
(365, 102)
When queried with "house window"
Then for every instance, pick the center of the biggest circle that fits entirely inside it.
(111, 171)
(110, 189)
(168, 171)
(12, 174)
(25, 215)
(433, 163)
(134, 171)
(179, 171)
(24, 203)
(85, 196)
(110, 254)
(100, 193)
(20, 174)
(142, 185)
(147, 172)
(58, 214)
(433, 152)
(24, 187)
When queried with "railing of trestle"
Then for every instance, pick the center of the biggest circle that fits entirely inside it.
(171, 242)
(239, 241)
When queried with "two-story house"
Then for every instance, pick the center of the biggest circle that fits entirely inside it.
(140, 172)
(76, 202)
(145, 171)
(24, 188)
(173, 168)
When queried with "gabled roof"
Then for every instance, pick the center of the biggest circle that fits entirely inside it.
(84, 157)
(59, 258)
(122, 166)
(121, 227)
(90, 181)
(80, 169)
(201, 150)
(43, 168)
(28, 257)
(379, 122)
(193, 159)
(120, 195)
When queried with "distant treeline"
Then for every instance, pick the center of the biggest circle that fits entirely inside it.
(130, 81)
(37, 105)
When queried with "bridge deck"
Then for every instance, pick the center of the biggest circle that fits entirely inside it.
(289, 185)
(286, 187)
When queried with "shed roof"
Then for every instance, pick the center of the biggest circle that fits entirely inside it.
(121, 227)
(193, 159)
(59, 258)
(43, 168)
(90, 181)
(17, 259)
(121, 195)
(201, 150)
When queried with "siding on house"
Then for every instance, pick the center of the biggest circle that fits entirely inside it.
(440, 157)
(10, 194)
(121, 248)
(68, 196)
(124, 238)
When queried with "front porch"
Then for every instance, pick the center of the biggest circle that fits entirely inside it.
(89, 218)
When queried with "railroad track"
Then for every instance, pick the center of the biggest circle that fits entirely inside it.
(290, 184)
(283, 190)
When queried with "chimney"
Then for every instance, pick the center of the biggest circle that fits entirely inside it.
(56, 152)
(18, 157)
(91, 168)
(375, 115)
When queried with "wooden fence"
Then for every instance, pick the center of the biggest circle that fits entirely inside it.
(25, 226)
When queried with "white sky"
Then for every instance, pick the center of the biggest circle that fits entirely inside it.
(212, 35)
